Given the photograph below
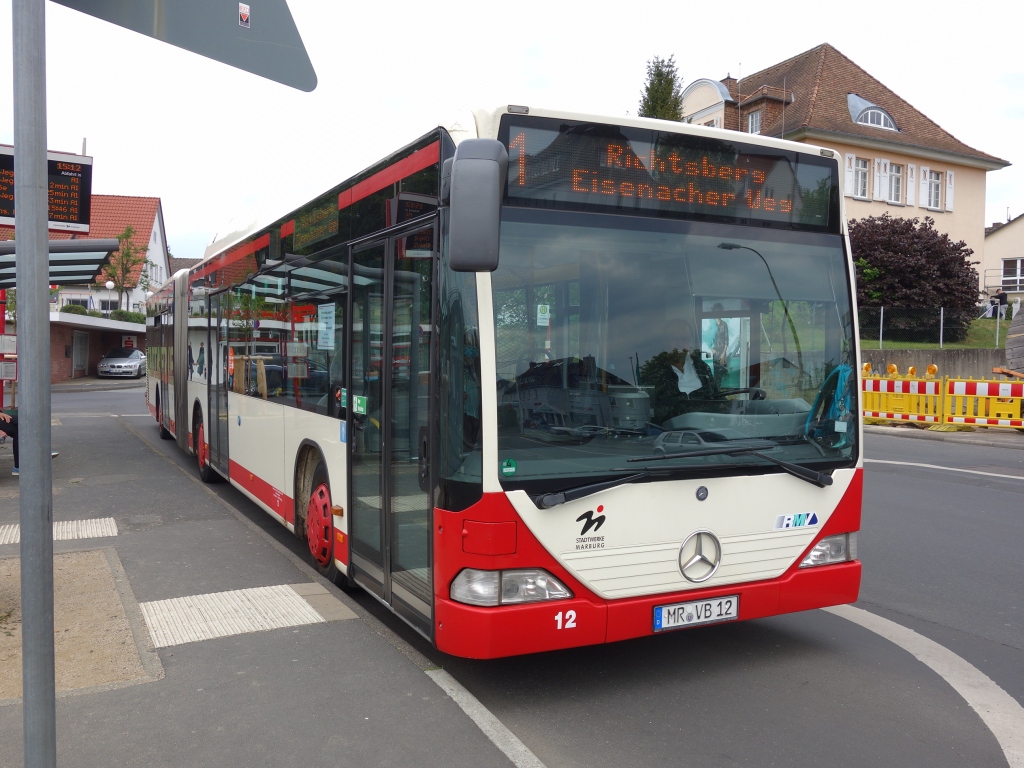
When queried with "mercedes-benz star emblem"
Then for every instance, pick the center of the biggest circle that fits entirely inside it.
(700, 556)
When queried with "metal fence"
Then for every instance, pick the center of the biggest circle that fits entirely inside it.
(922, 327)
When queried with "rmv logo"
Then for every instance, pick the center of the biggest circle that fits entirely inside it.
(795, 521)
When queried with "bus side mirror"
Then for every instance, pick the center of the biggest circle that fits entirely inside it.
(477, 186)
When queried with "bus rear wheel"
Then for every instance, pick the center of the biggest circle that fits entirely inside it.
(164, 434)
(206, 473)
(319, 526)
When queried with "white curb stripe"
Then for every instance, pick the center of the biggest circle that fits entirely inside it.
(66, 530)
(948, 469)
(996, 708)
(222, 614)
(510, 745)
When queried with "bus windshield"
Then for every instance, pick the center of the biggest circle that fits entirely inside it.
(620, 337)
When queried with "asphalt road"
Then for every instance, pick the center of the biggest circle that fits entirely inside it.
(941, 553)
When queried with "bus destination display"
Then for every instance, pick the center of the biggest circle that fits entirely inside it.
(69, 187)
(562, 164)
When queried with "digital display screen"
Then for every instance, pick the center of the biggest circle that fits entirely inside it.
(69, 185)
(556, 163)
(315, 224)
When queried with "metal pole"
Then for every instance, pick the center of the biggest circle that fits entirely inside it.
(997, 327)
(36, 502)
(942, 324)
(881, 319)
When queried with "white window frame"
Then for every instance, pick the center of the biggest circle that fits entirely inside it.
(877, 118)
(895, 183)
(934, 190)
(754, 122)
(860, 178)
(1014, 280)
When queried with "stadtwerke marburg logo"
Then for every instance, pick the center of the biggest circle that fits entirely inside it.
(590, 522)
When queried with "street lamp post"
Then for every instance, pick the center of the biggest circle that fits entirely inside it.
(110, 287)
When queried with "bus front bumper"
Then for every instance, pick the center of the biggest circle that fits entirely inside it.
(489, 633)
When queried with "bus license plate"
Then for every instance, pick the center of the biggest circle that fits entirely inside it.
(696, 613)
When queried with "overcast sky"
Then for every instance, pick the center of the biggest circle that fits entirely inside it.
(222, 147)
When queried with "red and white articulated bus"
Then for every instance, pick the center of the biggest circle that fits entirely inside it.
(541, 380)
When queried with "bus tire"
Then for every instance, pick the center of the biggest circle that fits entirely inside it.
(319, 528)
(206, 473)
(164, 433)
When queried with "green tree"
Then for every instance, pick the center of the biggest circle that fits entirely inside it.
(123, 262)
(662, 96)
(909, 263)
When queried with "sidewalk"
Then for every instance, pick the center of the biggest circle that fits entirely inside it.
(990, 437)
(166, 594)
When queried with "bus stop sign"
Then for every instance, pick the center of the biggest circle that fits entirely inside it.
(259, 37)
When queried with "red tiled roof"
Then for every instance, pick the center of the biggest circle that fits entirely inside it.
(110, 214)
(177, 264)
(821, 79)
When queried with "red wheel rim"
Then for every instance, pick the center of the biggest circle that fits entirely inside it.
(201, 448)
(320, 524)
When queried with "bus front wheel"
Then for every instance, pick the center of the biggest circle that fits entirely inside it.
(319, 525)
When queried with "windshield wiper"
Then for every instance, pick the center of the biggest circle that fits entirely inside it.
(548, 500)
(804, 473)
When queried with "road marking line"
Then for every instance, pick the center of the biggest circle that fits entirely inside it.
(222, 614)
(520, 755)
(948, 469)
(996, 708)
(66, 530)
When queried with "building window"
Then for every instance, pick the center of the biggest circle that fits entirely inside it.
(108, 305)
(1013, 275)
(713, 123)
(895, 183)
(754, 122)
(77, 302)
(876, 118)
(860, 178)
(934, 189)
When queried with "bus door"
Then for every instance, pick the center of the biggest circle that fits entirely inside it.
(216, 364)
(391, 340)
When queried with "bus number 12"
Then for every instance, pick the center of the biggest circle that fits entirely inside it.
(570, 620)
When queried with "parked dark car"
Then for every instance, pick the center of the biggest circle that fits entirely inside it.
(122, 361)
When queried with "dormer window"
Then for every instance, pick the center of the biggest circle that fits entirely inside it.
(876, 117)
(864, 112)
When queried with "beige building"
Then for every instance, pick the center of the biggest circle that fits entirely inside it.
(1003, 265)
(896, 160)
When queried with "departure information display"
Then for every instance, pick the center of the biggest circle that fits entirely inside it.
(69, 184)
(557, 163)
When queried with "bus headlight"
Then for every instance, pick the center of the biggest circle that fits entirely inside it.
(490, 588)
(832, 549)
(531, 585)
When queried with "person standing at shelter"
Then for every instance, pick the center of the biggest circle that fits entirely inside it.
(9, 428)
(191, 361)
